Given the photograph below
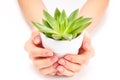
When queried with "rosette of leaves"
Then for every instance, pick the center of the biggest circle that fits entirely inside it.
(61, 27)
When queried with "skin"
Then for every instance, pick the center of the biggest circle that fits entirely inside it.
(44, 60)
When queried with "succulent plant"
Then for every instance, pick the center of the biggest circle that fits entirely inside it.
(61, 27)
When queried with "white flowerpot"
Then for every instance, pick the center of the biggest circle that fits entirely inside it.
(60, 48)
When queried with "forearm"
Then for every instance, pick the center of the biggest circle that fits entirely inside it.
(94, 9)
(32, 10)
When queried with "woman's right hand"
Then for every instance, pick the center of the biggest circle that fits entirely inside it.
(43, 59)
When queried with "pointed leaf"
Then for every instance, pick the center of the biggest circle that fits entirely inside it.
(69, 28)
(53, 23)
(68, 36)
(81, 28)
(43, 28)
(80, 22)
(72, 16)
(63, 20)
(83, 21)
(56, 36)
(48, 35)
(46, 23)
(74, 35)
(57, 14)
(77, 23)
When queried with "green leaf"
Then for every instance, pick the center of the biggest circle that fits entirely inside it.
(81, 28)
(69, 28)
(74, 35)
(48, 35)
(56, 36)
(60, 27)
(65, 24)
(63, 16)
(63, 21)
(57, 14)
(83, 21)
(77, 23)
(72, 16)
(68, 36)
(43, 28)
(46, 23)
(80, 22)
(53, 23)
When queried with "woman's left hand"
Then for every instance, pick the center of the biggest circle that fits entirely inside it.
(73, 63)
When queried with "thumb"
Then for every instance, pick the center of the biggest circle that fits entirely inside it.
(36, 37)
(86, 43)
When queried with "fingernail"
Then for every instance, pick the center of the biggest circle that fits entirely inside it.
(54, 59)
(62, 62)
(68, 58)
(37, 39)
(55, 65)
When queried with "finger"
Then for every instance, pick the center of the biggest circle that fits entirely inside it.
(35, 37)
(62, 71)
(85, 51)
(48, 71)
(87, 48)
(55, 66)
(78, 59)
(86, 44)
(84, 56)
(69, 65)
(34, 33)
(58, 73)
(45, 62)
(36, 52)
(37, 40)
(28, 44)
(53, 73)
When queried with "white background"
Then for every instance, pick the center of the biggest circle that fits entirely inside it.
(15, 63)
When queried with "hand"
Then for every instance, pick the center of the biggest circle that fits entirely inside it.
(71, 63)
(43, 59)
